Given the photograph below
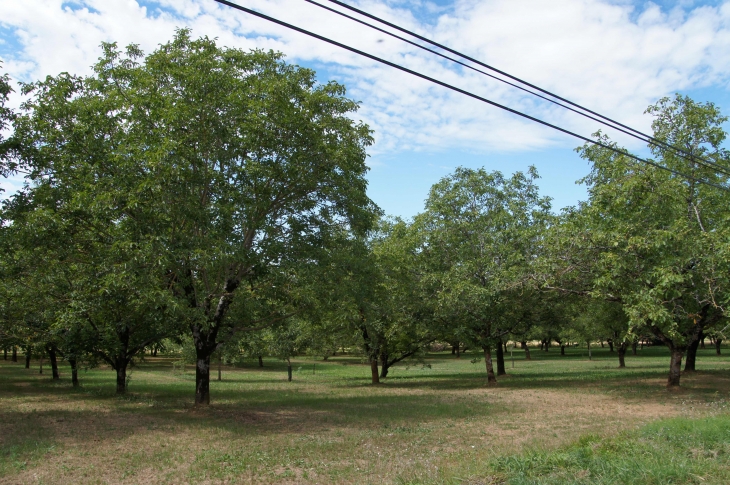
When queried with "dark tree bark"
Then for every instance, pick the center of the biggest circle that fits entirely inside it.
(602, 346)
(40, 366)
(14, 356)
(74, 372)
(154, 352)
(622, 354)
(51, 349)
(690, 363)
(374, 370)
(288, 370)
(384, 365)
(675, 366)
(121, 379)
(28, 356)
(261, 361)
(562, 349)
(718, 341)
(205, 345)
(504, 346)
(220, 362)
(453, 349)
(633, 347)
(5, 353)
(458, 351)
(491, 378)
(702, 342)
(202, 379)
(501, 371)
(524, 346)
(610, 345)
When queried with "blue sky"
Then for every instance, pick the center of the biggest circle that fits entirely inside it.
(616, 57)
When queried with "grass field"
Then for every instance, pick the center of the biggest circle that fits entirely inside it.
(552, 420)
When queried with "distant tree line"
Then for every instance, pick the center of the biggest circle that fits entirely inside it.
(212, 199)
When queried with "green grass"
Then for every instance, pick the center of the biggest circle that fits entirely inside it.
(553, 418)
(679, 450)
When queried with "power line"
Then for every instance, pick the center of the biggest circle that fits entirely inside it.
(463, 91)
(606, 120)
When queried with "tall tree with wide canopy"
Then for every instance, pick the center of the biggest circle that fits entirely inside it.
(211, 166)
(482, 233)
(654, 241)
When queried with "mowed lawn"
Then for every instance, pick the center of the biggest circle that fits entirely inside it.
(554, 419)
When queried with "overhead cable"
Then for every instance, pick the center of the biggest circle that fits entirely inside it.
(585, 111)
(463, 91)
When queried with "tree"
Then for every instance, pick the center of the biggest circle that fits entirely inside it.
(482, 233)
(254, 163)
(652, 240)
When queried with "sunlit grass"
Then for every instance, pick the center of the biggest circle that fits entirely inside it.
(432, 423)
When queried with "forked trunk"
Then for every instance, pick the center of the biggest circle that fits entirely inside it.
(28, 356)
(675, 366)
(491, 378)
(51, 349)
(74, 372)
(374, 370)
(500, 360)
(622, 354)
(718, 341)
(121, 377)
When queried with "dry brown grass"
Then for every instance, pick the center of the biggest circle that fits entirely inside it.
(422, 428)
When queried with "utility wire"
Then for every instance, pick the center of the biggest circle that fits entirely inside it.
(464, 92)
(607, 121)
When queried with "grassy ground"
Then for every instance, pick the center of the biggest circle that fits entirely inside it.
(552, 420)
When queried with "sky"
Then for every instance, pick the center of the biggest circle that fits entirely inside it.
(614, 57)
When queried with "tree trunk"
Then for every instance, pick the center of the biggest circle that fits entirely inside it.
(121, 377)
(220, 361)
(702, 342)
(562, 349)
(74, 372)
(689, 364)
(51, 349)
(523, 344)
(374, 370)
(491, 378)
(261, 361)
(14, 357)
(504, 346)
(28, 356)
(202, 379)
(453, 350)
(590, 357)
(5, 353)
(288, 370)
(675, 366)
(154, 352)
(40, 366)
(718, 341)
(610, 345)
(622, 354)
(384, 367)
(501, 371)
(633, 347)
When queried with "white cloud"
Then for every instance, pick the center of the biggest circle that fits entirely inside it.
(613, 57)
